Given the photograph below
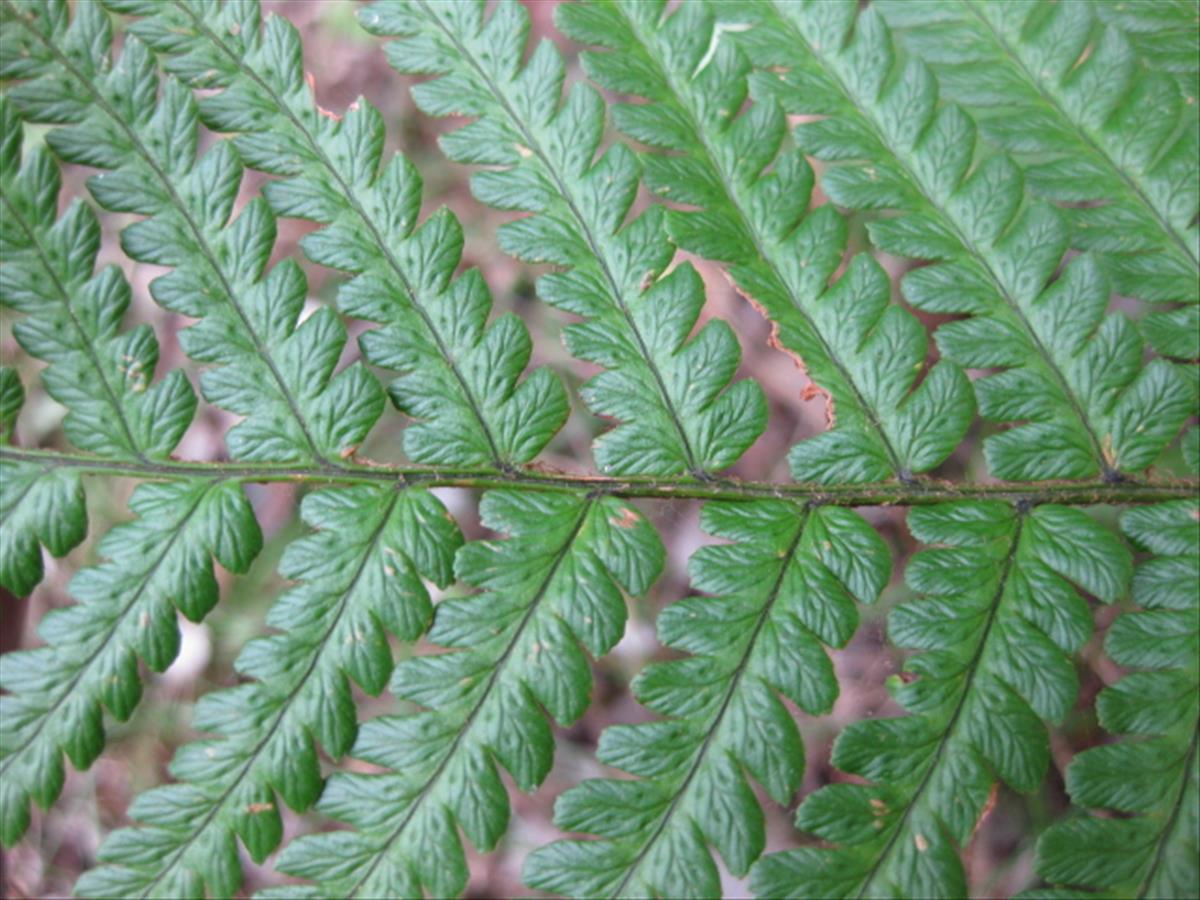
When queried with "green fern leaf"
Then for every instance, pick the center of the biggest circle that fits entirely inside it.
(787, 585)
(1072, 374)
(1153, 779)
(360, 579)
(1191, 449)
(101, 375)
(1164, 35)
(40, 505)
(550, 586)
(161, 561)
(670, 395)
(866, 362)
(72, 318)
(1070, 99)
(484, 679)
(997, 620)
(12, 398)
(155, 564)
(458, 378)
(275, 374)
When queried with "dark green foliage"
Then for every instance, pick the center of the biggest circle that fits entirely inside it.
(359, 579)
(1073, 375)
(102, 375)
(12, 395)
(1153, 775)
(786, 585)
(863, 352)
(1101, 128)
(265, 368)
(1017, 166)
(457, 377)
(996, 621)
(551, 586)
(670, 394)
(155, 564)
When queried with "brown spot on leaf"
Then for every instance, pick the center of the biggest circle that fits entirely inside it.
(812, 389)
(259, 807)
(627, 519)
(987, 807)
(1106, 449)
(920, 843)
(311, 81)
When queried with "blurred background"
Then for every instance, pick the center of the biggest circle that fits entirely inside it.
(347, 63)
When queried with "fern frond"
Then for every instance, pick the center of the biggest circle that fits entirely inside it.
(1153, 778)
(1073, 375)
(103, 376)
(998, 618)
(705, 90)
(1070, 98)
(275, 374)
(550, 586)
(360, 579)
(458, 377)
(786, 585)
(671, 396)
(866, 361)
(155, 564)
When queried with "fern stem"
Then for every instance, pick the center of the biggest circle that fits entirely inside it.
(763, 616)
(569, 196)
(905, 163)
(920, 492)
(495, 676)
(205, 249)
(1087, 135)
